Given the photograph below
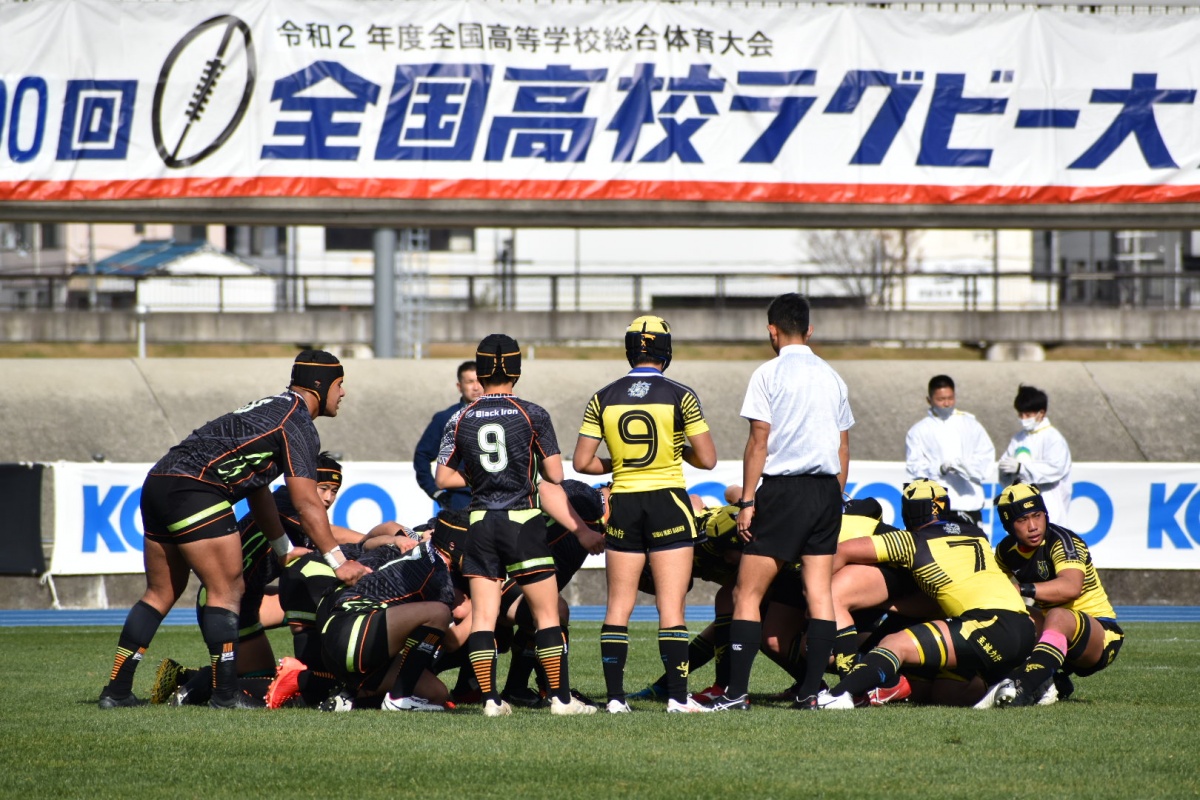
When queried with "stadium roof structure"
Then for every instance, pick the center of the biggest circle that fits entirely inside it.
(166, 256)
(145, 258)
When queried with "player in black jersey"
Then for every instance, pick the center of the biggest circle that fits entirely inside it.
(382, 633)
(259, 609)
(985, 630)
(187, 515)
(1054, 572)
(568, 553)
(498, 445)
(651, 425)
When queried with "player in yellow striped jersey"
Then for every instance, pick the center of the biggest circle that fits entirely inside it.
(651, 426)
(1054, 571)
(863, 593)
(986, 630)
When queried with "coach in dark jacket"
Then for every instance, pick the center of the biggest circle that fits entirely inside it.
(427, 448)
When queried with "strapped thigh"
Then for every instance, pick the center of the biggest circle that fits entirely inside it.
(931, 645)
(1077, 642)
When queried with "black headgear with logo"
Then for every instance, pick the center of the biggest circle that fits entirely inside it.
(498, 359)
(328, 469)
(315, 371)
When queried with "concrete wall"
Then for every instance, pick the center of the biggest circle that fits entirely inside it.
(133, 411)
(354, 328)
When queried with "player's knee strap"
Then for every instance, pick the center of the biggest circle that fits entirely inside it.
(931, 646)
(1078, 640)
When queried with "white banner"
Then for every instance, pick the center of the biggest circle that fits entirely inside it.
(1132, 516)
(141, 99)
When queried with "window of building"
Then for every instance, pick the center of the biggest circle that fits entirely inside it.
(434, 240)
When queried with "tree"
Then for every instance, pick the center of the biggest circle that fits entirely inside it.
(869, 264)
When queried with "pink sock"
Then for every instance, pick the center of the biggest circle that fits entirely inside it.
(1056, 640)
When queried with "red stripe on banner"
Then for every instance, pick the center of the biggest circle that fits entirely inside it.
(680, 191)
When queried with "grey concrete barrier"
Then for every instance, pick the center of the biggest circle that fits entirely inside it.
(127, 410)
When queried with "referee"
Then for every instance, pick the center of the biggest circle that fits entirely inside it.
(799, 445)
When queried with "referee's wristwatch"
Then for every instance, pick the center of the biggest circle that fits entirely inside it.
(744, 504)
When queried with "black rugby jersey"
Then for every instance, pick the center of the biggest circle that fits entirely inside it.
(498, 442)
(420, 575)
(258, 560)
(1060, 549)
(248, 448)
(307, 581)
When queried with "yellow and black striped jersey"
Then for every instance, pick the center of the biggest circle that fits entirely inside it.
(855, 526)
(1061, 549)
(952, 563)
(644, 418)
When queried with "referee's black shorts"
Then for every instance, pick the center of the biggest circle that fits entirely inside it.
(796, 515)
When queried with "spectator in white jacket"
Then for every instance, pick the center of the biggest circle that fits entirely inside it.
(950, 447)
(1038, 454)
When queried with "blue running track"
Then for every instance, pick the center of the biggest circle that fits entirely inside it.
(187, 616)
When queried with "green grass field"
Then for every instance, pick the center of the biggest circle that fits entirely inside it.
(1129, 732)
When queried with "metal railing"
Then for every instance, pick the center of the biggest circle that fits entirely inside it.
(613, 291)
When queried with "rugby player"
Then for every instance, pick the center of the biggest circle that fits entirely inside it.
(985, 631)
(260, 610)
(644, 419)
(384, 631)
(187, 515)
(500, 442)
(1053, 570)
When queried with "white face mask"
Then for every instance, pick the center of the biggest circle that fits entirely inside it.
(943, 412)
(1029, 423)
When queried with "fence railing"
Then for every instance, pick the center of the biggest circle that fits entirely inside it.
(606, 291)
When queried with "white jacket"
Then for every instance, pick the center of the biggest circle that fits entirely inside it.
(1045, 461)
(959, 440)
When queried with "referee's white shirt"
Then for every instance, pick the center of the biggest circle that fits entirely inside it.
(807, 406)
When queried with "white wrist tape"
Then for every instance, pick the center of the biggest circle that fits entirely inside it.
(334, 558)
(282, 546)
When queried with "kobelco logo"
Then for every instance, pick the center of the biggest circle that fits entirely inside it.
(209, 66)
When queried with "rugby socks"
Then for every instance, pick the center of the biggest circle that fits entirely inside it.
(140, 626)
(315, 686)
(416, 654)
(720, 647)
(199, 687)
(614, 650)
(1048, 656)
(845, 647)
(877, 668)
(522, 662)
(481, 652)
(821, 635)
(700, 652)
(745, 637)
(793, 662)
(219, 626)
(551, 647)
(446, 661)
(673, 649)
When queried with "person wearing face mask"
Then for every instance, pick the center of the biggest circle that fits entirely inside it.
(1038, 454)
(949, 446)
